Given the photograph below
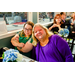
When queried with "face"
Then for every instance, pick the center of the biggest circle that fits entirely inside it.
(28, 30)
(63, 16)
(58, 19)
(39, 32)
(73, 15)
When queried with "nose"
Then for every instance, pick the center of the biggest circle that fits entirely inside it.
(37, 32)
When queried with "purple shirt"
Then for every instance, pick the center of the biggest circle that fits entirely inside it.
(57, 50)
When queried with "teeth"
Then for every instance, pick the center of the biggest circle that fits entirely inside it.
(39, 36)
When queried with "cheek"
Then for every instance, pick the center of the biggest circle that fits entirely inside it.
(59, 19)
(30, 33)
(56, 20)
(36, 33)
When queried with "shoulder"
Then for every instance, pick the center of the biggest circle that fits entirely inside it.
(30, 40)
(54, 37)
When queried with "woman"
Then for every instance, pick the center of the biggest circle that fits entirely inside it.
(73, 24)
(49, 47)
(57, 25)
(20, 40)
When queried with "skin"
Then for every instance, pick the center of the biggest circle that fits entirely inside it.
(73, 15)
(63, 16)
(21, 46)
(58, 20)
(40, 34)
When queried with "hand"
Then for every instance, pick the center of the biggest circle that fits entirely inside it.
(17, 38)
(72, 23)
(21, 45)
(55, 25)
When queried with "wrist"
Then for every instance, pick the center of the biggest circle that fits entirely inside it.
(18, 44)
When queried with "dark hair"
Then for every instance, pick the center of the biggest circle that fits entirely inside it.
(61, 13)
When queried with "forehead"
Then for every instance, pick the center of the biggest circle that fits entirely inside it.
(28, 26)
(58, 17)
(38, 27)
(73, 14)
(64, 13)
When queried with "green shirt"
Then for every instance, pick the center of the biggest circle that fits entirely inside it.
(23, 39)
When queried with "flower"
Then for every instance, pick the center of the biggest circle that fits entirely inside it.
(64, 32)
(12, 55)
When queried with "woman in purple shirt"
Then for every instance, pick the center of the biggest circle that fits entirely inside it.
(49, 47)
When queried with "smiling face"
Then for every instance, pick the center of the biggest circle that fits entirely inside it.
(39, 32)
(73, 15)
(58, 19)
(27, 30)
(63, 16)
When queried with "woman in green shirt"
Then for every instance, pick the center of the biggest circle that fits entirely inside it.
(24, 37)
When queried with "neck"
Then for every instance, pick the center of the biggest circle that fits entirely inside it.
(73, 19)
(44, 41)
(63, 19)
(26, 35)
(58, 23)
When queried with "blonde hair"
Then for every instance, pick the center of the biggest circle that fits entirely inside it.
(35, 40)
(72, 14)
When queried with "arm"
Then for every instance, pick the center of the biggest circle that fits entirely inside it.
(72, 23)
(27, 47)
(50, 28)
(64, 49)
(15, 41)
(55, 25)
(58, 27)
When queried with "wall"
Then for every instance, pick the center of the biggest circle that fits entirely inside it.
(5, 42)
(34, 17)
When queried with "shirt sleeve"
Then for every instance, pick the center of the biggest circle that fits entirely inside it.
(33, 53)
(63, 48)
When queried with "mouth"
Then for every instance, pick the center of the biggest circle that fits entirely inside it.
(39, 35)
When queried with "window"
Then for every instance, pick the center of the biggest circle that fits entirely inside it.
(14, 20)
(11, 26)
(45, 17)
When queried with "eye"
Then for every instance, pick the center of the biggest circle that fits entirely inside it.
(40, 30)
(35, 32)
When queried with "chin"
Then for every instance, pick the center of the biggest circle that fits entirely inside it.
(40, 38)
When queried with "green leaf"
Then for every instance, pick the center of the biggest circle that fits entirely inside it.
(3, 55)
